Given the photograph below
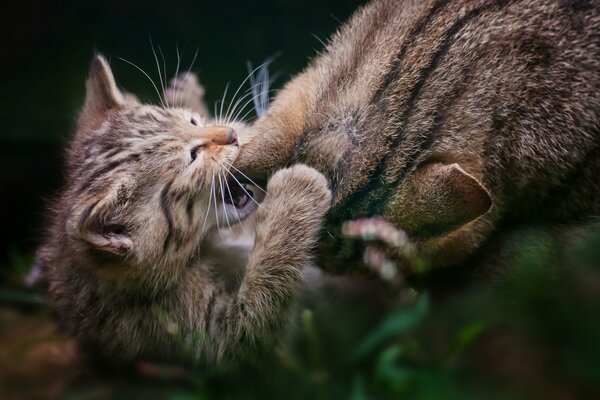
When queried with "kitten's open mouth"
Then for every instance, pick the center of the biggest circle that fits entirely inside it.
(239, 195)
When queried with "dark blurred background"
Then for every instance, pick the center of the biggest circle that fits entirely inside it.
(46, 48)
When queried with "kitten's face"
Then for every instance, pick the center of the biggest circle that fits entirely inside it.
(148, 182)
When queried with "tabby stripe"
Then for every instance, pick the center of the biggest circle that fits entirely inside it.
(447, 41)
(393, 141)
(394, 73)
(106, 169)
(208, 312)
(440, 115)
(86, 213)
(164, 199)
(189, 209)
(112, 152)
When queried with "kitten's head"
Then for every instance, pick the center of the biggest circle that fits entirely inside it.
(146, 183)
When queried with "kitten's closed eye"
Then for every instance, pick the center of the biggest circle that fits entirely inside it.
(194, 152)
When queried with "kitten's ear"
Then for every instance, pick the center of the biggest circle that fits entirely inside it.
(98, 223)
(101, 92)
(439, 198)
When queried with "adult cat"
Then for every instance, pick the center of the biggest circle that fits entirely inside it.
(452, 119)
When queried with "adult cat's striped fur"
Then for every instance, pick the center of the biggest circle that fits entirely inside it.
(132, 261)
(451, 118)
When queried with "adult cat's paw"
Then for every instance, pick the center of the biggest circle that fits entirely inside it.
(185, 90)
(300, 186)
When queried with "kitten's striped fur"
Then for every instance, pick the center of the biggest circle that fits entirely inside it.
(451, 118)
(134, 261)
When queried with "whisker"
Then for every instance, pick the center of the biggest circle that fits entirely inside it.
(164, 72)
(178, 60)
(241, 84)
(145, 74)
(207, 209)
(243, 188)
(249, 92)
(232, 118)
(260, 92)
(246, 176)
(235, 117)
(176, 88)
(216, 205)
(220, 117)
(215, 106)
(158, 69)
(187, 74)
(319, 39)
(223, 200)
(231, 197)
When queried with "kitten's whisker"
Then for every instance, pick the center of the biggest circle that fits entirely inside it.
(237, 103)
(223, 200)
(260, 92)
(249, 92)
(231, 197)
(145, 74)
(178, 60)
(228, 117)
(207, 209)
(215, 106)
(188, 74)
(164, 74)
(220, 117)
(159, 73)
(216, 205)
(319, 39)
(176, 74)
(246, 176)
(235, 118)
(243, 188)
(240, 86)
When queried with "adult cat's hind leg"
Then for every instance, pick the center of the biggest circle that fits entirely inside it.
(185, 90)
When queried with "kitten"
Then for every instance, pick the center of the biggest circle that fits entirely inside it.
(452, 119)
(133, 260)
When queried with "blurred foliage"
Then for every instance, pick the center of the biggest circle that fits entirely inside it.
(532, 333)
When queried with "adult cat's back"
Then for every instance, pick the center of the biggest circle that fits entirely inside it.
(506, 89)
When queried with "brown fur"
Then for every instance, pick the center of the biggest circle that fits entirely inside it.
(136, 260)
(508, 90)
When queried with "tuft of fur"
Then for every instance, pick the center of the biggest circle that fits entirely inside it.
(452, 119)
(136, 261)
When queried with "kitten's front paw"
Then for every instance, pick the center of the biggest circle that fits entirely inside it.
(185, 90)
(300, 186)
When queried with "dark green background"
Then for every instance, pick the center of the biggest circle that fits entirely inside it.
(47, 47)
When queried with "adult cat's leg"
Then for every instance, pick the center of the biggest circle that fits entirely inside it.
(185, 90)
(287, 230)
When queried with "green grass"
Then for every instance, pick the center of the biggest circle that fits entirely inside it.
(535, 333)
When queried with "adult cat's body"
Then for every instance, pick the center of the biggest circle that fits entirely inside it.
(449, 118)
(133, 262)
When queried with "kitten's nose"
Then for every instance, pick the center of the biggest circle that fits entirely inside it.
(222, 135)
(232, 137)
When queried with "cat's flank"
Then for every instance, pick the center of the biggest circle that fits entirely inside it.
(131, 259)
(453, 119)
